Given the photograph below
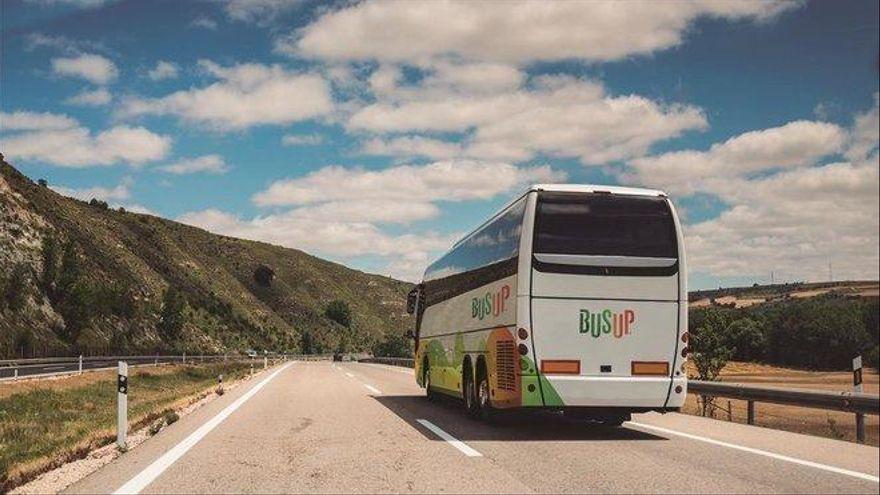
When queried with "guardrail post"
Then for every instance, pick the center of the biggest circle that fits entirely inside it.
(122, 402)
(184, 357)
(80, 364)
(156, 362)
(751, 412)
(265, 362)
(15, 374)
(857, 387)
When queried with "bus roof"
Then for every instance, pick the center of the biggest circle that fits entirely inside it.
(592, 188)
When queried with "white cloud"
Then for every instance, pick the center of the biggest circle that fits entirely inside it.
(557, 116)
(121, 192)
(327, 237)
(259, 12)
(97, 97)
(409, 146)
(60, 140)
(246, 95)
(34, 121)
(88, 66)
(510, 31)
(301, 139)
(212, 164)
(796, 144)
(82, 4)
(163, 70)
(439, 181)
(204, 23)
(786, 214)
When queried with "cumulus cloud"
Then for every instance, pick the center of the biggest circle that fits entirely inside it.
(301, 139)
(94, 98)
(60, 140)
(245, 95)
(89, 66)
(260, 12)
(120, 192)
(211, 164)
(163, 70)
(557, 116)
(439, 181)
(510, 31)
(35, 121)
(204, 23)
(787, 212)
(795, 144)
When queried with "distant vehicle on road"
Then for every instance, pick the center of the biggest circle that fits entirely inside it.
(572, 297)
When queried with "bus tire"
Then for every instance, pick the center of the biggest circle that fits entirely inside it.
(468, 390)
(429, 392)
(484, 401)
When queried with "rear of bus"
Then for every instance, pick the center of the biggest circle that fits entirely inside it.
(607, 313)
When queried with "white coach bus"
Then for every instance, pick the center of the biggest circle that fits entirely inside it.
(572, 297)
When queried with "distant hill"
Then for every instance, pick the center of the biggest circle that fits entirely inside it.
(758, 294)
(128, 282)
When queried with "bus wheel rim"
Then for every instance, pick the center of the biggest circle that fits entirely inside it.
(484, 394)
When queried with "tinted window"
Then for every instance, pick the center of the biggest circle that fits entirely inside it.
(496, 241)
(604, 225)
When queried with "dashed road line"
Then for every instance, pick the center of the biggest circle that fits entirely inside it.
(793, 460)
(373, 389)
(451, 440)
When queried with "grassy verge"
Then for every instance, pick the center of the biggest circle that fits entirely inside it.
(46, 423)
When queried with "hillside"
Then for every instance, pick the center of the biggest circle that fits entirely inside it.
(128, 282)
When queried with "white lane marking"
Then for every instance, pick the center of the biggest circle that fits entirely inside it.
(373, 389)
(794, 460)
(349, 375)
(145, 477)
(408, 371)
(451, 440)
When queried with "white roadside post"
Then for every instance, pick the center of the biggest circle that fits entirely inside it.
(857, 387)
(265, 362)
(122, 401)
(80, 364)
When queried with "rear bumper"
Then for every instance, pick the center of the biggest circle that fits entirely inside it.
(623, 391)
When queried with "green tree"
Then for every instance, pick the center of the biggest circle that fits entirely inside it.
(745, 338)
(709, 351)
(70, 269)
(339, 312)
(393, 344)
(172, 316)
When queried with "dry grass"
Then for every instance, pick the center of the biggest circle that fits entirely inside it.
(46, 423)
(790, 418)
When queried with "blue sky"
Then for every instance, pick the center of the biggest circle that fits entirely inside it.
(374, 133)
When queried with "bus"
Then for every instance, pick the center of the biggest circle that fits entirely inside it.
(571, 298)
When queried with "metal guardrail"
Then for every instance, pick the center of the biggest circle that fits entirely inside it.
(393, 361)
(15, 369)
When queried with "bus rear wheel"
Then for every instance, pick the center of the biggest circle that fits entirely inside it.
(429, 392)
(484, 402)
(470, 395)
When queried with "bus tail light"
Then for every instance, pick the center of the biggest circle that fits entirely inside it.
(685, 352)
(561, 366)
(685, 336)
(523, 349)
(650, 368)
(523, 333)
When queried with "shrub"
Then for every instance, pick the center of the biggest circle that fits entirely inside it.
(172, 317)
(393, 344)
(16, 289)
(339, 312)
(171, 417)
(264, 275)
(745, 338)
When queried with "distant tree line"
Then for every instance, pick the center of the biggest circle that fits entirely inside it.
(823, 332)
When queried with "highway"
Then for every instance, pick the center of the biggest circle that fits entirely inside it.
(367, 428)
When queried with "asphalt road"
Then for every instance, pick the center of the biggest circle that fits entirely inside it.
(349, 427)
(62, 367)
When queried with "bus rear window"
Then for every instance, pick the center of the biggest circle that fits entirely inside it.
(604, 225)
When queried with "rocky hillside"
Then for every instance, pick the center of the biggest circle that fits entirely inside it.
(81, 277)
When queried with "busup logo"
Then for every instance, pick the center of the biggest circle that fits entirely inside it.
(492, 304)
(597, 323)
